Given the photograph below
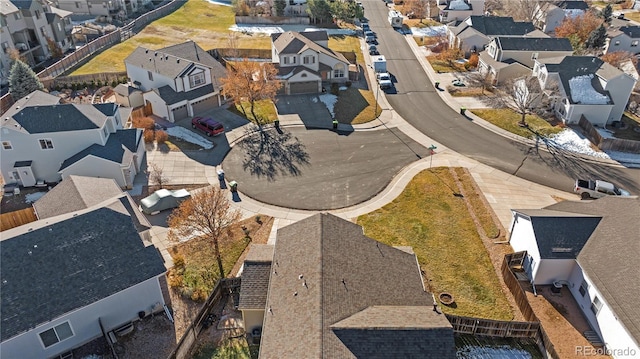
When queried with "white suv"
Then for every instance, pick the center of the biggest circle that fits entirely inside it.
(384, 80)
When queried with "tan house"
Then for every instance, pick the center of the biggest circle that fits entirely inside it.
(325, 290)
(511, 57)
(475, 32)
(304, 61)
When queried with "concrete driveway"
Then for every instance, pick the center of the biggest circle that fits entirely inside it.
(306, 108)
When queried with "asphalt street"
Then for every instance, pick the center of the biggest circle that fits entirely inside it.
(418, 103)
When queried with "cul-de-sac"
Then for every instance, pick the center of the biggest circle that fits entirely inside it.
(293, 179)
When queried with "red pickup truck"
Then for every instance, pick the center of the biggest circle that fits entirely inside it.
(210, 126)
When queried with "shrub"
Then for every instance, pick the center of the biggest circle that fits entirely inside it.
(99, 83)
(335, 89)
(161, 136)
(149, 136)
(473, 60)
(114, 83)
(146, 123)
(348, 83)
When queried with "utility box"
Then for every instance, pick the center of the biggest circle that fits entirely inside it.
(379, 63)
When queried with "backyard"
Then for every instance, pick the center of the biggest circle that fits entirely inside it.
(431, 215)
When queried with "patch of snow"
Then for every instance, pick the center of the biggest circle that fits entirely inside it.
(573, 13)
(429, 31)
(583, 92)
(189, 136)
(273, 29)
(604, 132)
(459, 5)
(314, 100)
(220, 2)
(32, 197)
(571, 141)
(329, 100)
(342, 88)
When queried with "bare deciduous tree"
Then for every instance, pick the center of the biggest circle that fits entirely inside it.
(522, 95)
(484, 81)
(521, 10)
(157, 177)
(208, 212)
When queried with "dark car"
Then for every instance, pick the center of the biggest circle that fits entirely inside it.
(210, 126)
(373, 50)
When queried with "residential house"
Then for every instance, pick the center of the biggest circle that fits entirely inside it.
(61, 27)
(179, 81)
(591, 247)
(295, 8)
(304, 61)
(452, 10)
(325, 290)
(475, 32)
(550, 14)
(45, 141)
(586, 86)
(625, 38)
(102, 7)
(71, 278)
(24, 27)
(511, 57)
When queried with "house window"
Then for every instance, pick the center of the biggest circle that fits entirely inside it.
(289, 60)
(634, 43)
(534, 56)
(338, 72)
(491, 50)
(584, 288)
(309, 59)
(197, 79)
(150, 75)
(596, 305)
(59, 27)
(46, 144)
(56, 334)
(77, 4)
(16, 16)
(105, 131)
(6, 145)
(37, 14)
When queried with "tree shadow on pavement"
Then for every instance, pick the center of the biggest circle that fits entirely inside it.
(270, 153)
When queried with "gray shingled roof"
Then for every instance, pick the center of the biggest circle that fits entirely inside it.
(22, 4)
(631, 31)
(171, 97)
(255, 277)
(58, 268)
(174, 60)
(560, 235)
(58, 118)
(573, 66)
(117, 149)
(499, 25)
(343, 272)
(572, 5)
(610, 256)
(291, 42)
(75, 193)
(534, 43)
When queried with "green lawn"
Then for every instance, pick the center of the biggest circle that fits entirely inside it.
(436, 223)
(234, 348)
(265, 110)
(508, 120)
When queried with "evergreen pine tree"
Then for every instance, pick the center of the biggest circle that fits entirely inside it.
(606, 13)
(279, 6)
(22, 80)
(597, 38)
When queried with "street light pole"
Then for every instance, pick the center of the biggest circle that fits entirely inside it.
(375, 113)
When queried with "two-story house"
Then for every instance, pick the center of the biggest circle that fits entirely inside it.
(475, 32)
(511, 57)
(84, 269)
(45, 141)
(179, 81)
(61, 27)
(591, 247)
(452, 10)
(550, 14)
(304, 61)
(24, 27)
(102, 7)
(625, 38)
(586, 86)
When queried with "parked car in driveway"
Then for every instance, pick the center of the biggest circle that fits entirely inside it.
(163, 199)
(210, 126)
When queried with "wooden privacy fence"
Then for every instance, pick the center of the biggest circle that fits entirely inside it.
(542, 339)
(607, 144)
(493, 328)
(104, 77)
(220, 291)
(17, 218)
(142, 111)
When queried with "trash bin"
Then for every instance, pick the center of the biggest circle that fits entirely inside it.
(462, 110)
(437, 84)
(233, 185)
(220, 175)
(335, 124)
(276, 123)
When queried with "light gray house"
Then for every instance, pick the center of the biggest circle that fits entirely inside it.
(625, 38)
(45, 141)
(61, 27)
(587, 86)
(325, 290)
(71, 278)
(452, 10)
(550, 14)
(475, 32)
(304, 61)
(590, 247)
(511, 57)
(178, 81)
